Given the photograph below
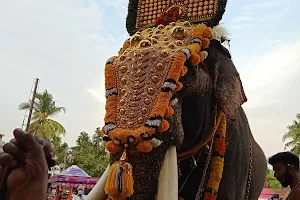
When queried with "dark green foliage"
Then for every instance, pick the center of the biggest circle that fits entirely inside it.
(271, 180)
(294, 135)
(89, 155)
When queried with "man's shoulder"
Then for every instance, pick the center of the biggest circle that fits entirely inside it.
(296, 194)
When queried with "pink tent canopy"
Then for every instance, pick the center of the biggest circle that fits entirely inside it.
(73, 177)
(268, 192)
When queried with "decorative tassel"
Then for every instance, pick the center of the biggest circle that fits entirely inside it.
(144, 146)
(112, 147)
(164, 126)
(195, 59)
(119, 184)
(179, 86)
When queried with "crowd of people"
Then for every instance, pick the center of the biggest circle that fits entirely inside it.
(29, 157)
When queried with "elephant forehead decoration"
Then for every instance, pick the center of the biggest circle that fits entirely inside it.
(141, 81)
(140, 84)
(142, 69)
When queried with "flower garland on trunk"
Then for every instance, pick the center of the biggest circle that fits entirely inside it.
(217, 162)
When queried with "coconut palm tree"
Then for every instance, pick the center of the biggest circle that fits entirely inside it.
(294, 135)
(45, 107)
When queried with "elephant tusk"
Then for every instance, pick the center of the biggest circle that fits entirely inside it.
(168, 177)
(97, 192)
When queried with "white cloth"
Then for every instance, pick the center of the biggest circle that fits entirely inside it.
(76, 197)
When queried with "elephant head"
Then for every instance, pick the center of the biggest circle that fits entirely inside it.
(163, 90)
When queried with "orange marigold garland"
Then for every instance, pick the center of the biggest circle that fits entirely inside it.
(217, 163)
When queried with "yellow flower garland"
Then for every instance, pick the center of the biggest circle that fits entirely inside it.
(217, 163)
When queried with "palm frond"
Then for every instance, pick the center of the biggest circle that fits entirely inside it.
(293, 133)
(56, 110)
(57, 127)
(44, 101)
(34, 126)
(292, 143)
(24, 106)
(37, 115)
(296, 150)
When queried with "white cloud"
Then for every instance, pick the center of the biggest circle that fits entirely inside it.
(98, 92)
(270, 83)
(267, 13)
(264, 5)
(61, 42)
(270, 73)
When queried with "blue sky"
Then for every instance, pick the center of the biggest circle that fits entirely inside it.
(66, 43)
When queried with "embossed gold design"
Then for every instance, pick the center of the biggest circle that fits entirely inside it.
(122, 111)
(159, 66)
(123, 80)
(164, 53)
(123, 69)
(144, 110)
(178, 32)
(123, 92)
(196, 10)
(136, 39)
(145, 44)
(151, 91)
(145, 73)
(123, 120)
(140, 120)
(172, 46)
(130, 124)
(154, 79)
(147, 101)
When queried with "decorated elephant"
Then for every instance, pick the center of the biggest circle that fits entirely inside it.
(174, 125)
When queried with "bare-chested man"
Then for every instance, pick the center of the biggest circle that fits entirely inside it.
(286, 167)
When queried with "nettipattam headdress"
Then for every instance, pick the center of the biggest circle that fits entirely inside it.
(141, 81)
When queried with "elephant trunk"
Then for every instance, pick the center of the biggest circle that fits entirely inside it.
(167, 181)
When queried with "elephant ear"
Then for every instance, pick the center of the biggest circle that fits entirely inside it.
(228, 85)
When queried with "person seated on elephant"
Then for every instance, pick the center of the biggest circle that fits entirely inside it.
(286, 167)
